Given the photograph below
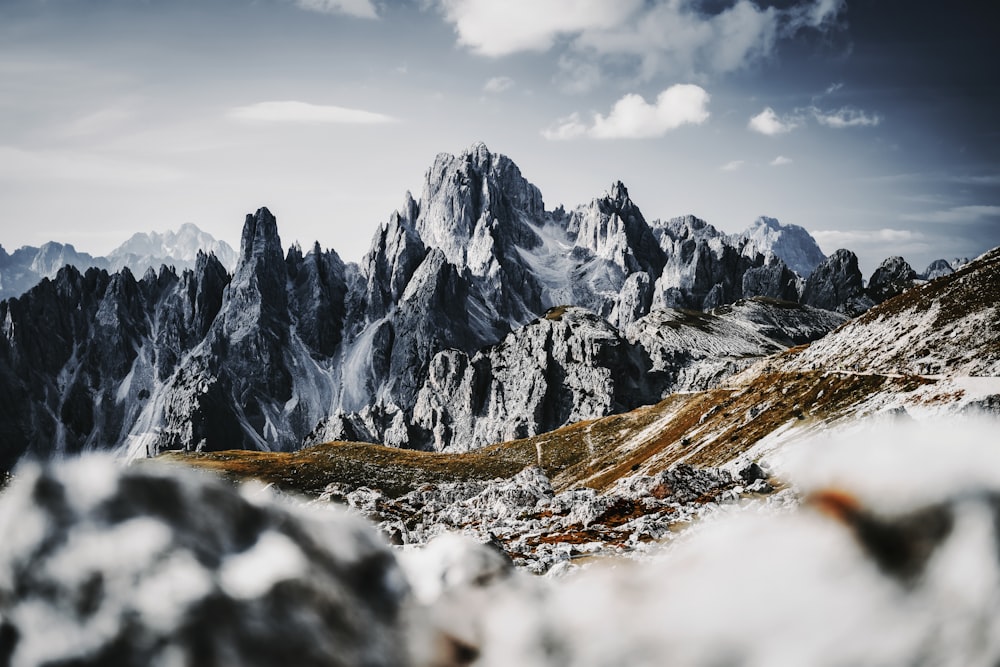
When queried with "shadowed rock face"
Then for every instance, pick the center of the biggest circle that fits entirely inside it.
(836, 284)
(892, 277)
(81, 354)
(160, 565)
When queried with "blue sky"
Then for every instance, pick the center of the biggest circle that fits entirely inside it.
(869, 122)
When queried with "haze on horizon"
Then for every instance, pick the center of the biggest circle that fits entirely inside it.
(869, 123)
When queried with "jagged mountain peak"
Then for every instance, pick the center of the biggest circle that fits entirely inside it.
(471, 191)
(936, 269)
(618, 193)
(793, 244)
(836, 284)
(688, 226)
(257, 296)
(260, 236)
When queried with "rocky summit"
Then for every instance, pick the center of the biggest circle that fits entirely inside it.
(477, 315)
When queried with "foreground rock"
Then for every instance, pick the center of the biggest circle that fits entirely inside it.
(896, 565)
(899, 567)
(150, 566)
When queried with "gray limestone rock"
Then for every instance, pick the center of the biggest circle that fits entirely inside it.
(836, 284)
(774, 280)
(566, 366)
(892, 277)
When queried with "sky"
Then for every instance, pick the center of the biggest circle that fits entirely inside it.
(871, 123)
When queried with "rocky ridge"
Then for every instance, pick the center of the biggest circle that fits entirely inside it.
(28, 265)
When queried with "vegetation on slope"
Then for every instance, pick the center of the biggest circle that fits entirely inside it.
(704, 428)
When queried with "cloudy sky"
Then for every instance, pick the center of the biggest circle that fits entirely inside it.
(872, 123)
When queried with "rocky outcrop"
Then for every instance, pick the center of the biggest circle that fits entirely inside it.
(892, 277)
(252, 382)
(154, 565)
(836, 284)
(571, 365)
(773, 280)
(564, 367)
(702, 270)
(613, 229)
(317, 298)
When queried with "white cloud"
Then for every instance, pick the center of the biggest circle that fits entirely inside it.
(492, 28)
(816, 15)
(662, 37)
(832, 88)
(570, 127)
(769, 123)
(304, 113)
(359, 8)
(633, 118)
(780, 161)
(846, 117)
(734, 165)
(845, 238)
(498, 84)
(954, 214)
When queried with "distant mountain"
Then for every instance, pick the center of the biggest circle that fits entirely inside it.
(937, 268)
(28, 265)
(439, 338)
(173, 248)
(791, 244)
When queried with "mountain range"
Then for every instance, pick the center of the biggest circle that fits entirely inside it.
(920, 367)
(26, 266)
(476, 316)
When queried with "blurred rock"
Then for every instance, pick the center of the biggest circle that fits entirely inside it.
(158, 566)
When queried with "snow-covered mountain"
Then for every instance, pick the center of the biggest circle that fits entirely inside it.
(26, 266)
(791, 243)
(173, 248)
(300, 346)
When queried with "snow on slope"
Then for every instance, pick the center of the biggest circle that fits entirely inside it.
(949, 326)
